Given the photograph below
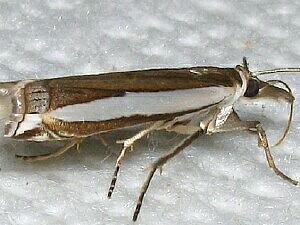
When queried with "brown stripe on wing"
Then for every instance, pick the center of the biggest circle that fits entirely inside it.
(40, 97)
(31, 134)
(39, 134)
(87, 128)
(69, 96)
(152, 80)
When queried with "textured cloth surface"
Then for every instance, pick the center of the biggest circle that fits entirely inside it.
(220, 179)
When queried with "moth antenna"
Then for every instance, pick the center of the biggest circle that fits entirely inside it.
(277, 70)
(245, 64)
(287, 128)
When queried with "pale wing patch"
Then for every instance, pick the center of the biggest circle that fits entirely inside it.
(143, 103)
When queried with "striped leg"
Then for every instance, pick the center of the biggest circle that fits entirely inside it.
(128, 146)
(158, 164)
(58, 152)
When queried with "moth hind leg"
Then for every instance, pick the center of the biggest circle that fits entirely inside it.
(58, 152)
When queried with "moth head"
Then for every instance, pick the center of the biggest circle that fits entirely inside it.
(271, 89)
(5, 100)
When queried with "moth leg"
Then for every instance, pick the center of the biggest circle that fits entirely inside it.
(263, 142)
(58, 152)
(158, 164)
(128, 146)
(235, 124)
(186, 129)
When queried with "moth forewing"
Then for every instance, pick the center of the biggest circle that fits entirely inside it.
(82, 106)
(189, 101)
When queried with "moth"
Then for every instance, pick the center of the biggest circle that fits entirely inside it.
(189, 101)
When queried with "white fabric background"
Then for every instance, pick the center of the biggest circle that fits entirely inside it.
(222, 179)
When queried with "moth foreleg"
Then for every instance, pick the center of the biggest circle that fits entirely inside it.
(158, 164)
(128, 146)
(263, 142)
(233, 123)
(58, 152)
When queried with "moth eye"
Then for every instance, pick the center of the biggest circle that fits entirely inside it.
(252, 88)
